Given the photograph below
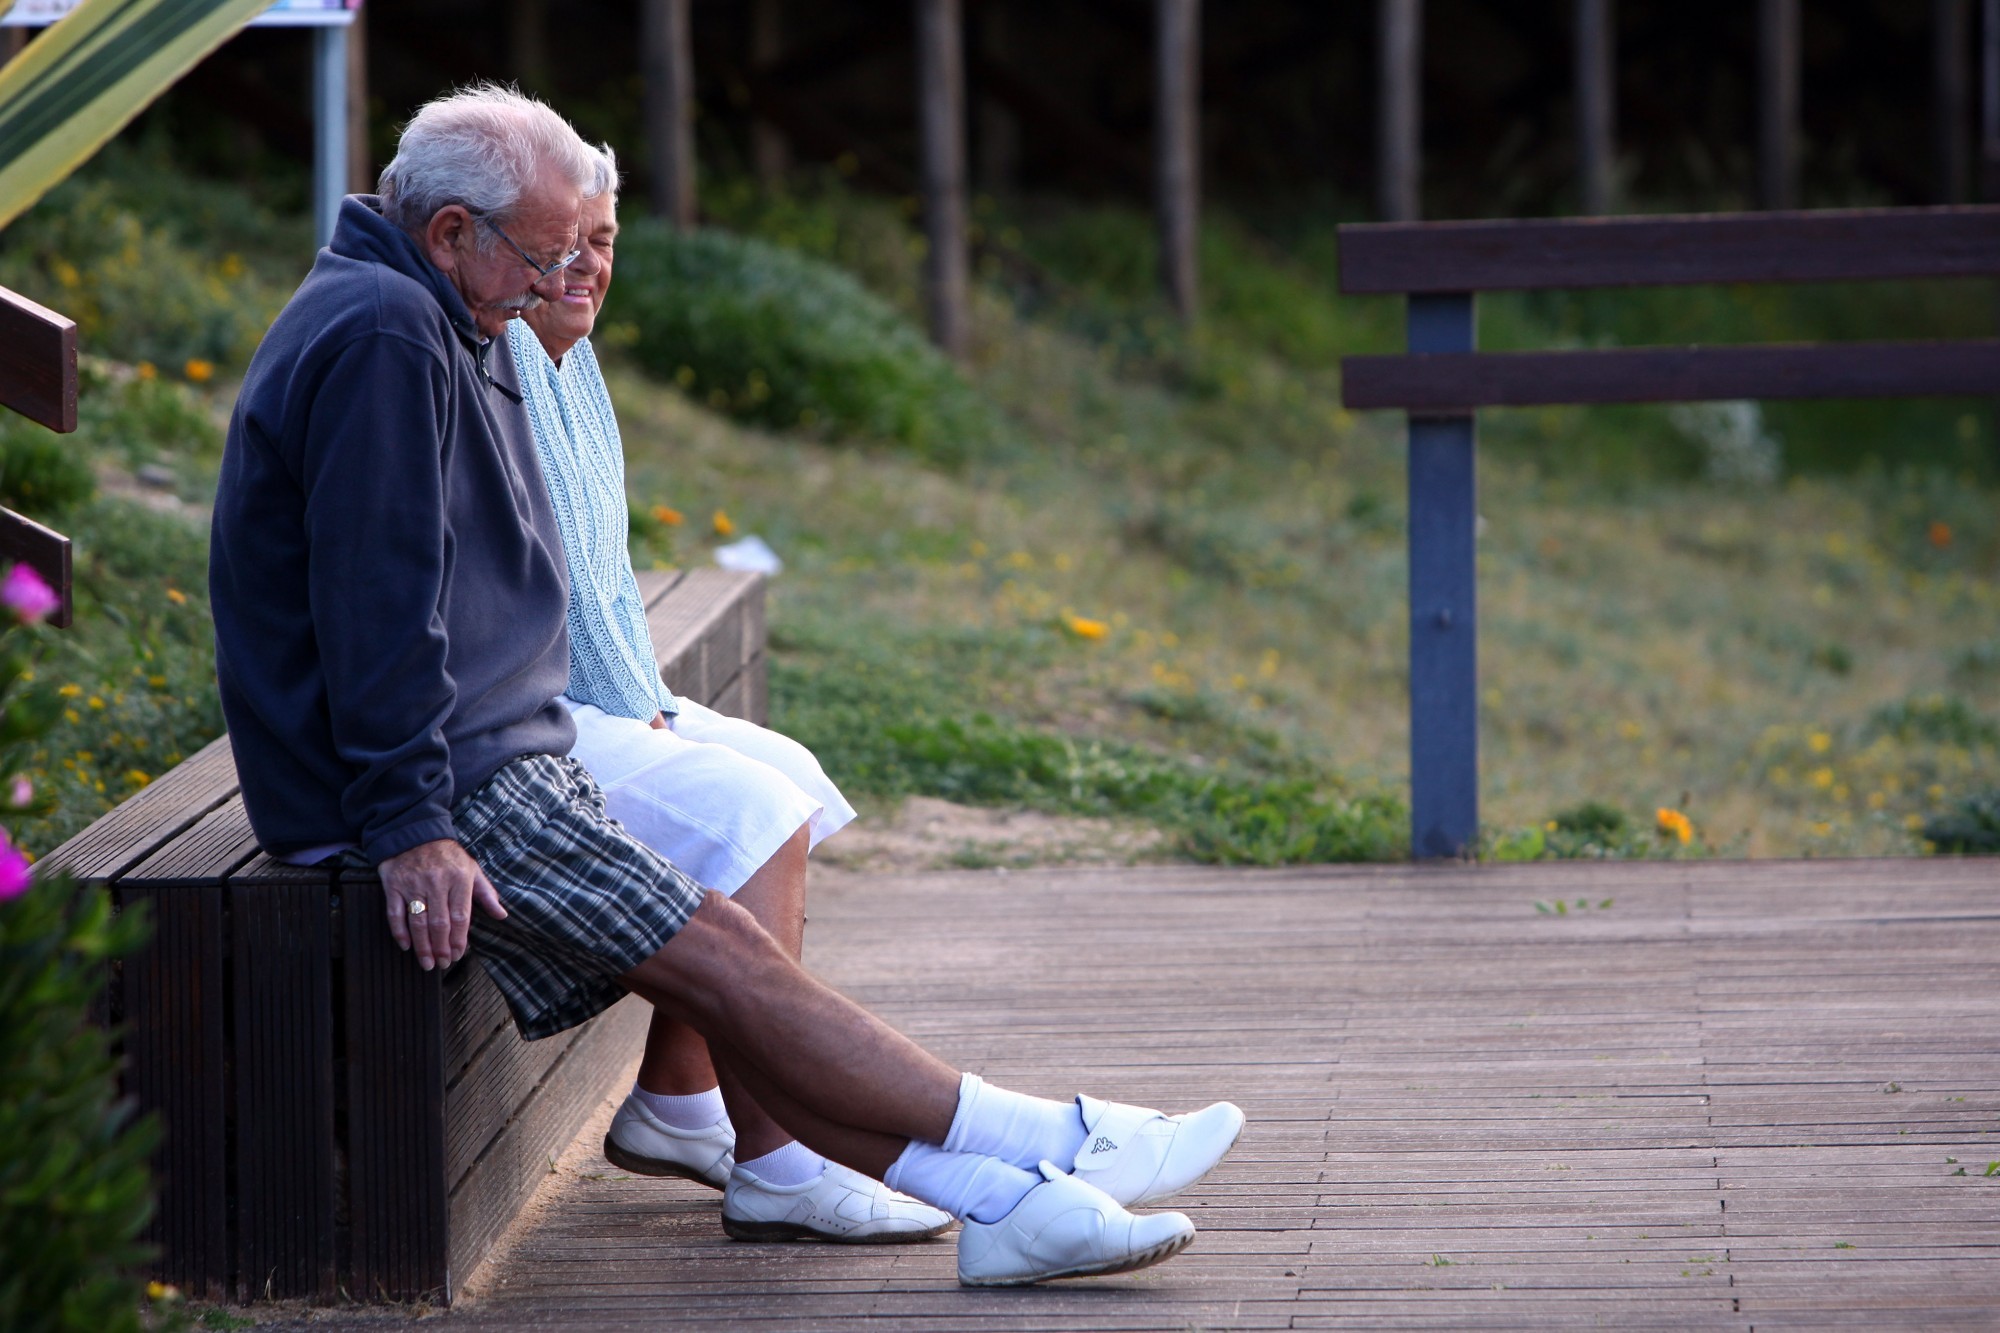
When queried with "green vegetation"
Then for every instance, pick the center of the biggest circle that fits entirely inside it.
(75, 1190)
(771, 337)
(1116, 566)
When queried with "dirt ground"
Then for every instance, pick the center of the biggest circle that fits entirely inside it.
(925, 833)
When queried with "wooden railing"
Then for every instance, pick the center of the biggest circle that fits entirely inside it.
(1444, 380)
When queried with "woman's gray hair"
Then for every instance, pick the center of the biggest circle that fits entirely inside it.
(607, 173)
(481, 147)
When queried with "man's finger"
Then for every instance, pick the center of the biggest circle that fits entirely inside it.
(488, 898)
(398, 929)
(438, 919)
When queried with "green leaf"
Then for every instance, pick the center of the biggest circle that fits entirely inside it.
(80, 82)
(1992, 1168)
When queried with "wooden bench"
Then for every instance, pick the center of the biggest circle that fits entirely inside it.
(340, 1123)
(1443, 381)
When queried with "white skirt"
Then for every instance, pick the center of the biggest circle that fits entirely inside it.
(715, 795)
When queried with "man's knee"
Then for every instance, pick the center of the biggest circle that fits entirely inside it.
(722, 945)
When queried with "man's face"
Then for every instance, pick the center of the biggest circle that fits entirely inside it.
(496, 283)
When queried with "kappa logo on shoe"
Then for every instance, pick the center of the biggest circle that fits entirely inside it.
(1102, 1145)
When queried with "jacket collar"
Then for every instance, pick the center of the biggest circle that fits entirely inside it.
(362, 233)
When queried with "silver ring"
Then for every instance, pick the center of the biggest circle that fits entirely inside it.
(417, 907)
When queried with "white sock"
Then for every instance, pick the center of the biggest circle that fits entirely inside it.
(964, 1184)
(793, 1164)
(698, 1110)
(1013, 1126)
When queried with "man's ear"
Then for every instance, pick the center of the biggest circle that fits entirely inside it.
(448, 227)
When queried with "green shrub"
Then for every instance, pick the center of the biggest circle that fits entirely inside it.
(1937, 719)
(75, 1192)
(74, 1188)
(42, 475)
(786, 341)
(1971, 826)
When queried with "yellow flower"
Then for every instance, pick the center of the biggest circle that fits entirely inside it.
(1913, 822)
(667, 515)
(70, 691)
(96, 702)
(148, 371)
(161, 1291)
(71, 715)
(231, 266)
(1674, 824)
(1822, 778)
(1085, 628)
(137, 778)
(1822, 828)
(1820, 742)
(198, 370)
(177, 597)
(724, 526)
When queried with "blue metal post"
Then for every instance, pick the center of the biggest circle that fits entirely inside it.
(329, 127)
(1444, 624)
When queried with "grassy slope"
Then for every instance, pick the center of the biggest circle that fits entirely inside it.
(1648, 639)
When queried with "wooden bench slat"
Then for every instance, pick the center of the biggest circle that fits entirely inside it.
(219, 842)
(132, 832)
(1460, 381)
(1819, 246)
(281, 927)
(701, 632)
(47, 552)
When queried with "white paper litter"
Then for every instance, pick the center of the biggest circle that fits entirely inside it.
(750, 555)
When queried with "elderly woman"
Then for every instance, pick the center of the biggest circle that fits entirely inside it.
(736, 806)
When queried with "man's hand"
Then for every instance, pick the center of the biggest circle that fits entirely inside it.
(447, 881)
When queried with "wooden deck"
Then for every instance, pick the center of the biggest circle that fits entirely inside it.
(1740, 1095)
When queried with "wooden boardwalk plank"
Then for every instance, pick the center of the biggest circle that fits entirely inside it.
(1738, 1098)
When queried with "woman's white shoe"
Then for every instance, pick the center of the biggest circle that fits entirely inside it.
(842, 1206)
(1064, 1227)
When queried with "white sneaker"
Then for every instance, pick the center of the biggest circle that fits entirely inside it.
(1139, 1156)
(842, 1206)
(1064, 1227)
(646, 1145)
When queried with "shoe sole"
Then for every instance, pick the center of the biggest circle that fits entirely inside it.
(653, 1166)
(1146, 1258)
(1145, 1199)
(770, 1231)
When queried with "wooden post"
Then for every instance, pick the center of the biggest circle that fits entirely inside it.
(998, 161)
(1777, 103)
(1596, 104)
(1952, 96)
(666, 69)
(360, 159)
(1399, 118)
(1989, 100)
(770, 154)
(1444, 625)
(528, 42)
(1177, 149)
(13, 41)
(331, 159)
(941, 92)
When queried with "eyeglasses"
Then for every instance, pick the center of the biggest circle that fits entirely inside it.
(545, 270)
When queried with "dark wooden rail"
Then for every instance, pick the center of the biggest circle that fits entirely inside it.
(1443, 380)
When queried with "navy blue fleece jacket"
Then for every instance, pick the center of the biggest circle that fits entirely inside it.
(387, 579)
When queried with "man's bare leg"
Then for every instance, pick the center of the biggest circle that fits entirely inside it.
(678, 1062)
(734, 983)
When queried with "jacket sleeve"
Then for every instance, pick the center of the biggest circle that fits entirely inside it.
(378, 548)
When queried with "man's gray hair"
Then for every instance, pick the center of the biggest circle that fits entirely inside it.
(481, 147)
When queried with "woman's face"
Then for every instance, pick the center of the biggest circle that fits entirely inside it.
(559, 323)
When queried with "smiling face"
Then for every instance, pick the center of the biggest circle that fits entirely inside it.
(494, 281)
(561, 321)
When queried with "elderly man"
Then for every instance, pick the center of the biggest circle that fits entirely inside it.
(389, 605)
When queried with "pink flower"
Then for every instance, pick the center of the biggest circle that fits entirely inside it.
(23, 793)
(24, 593)
(13, 872)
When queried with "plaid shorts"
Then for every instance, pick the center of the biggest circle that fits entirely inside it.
(586, 902)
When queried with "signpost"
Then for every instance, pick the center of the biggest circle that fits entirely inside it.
(329, 21)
